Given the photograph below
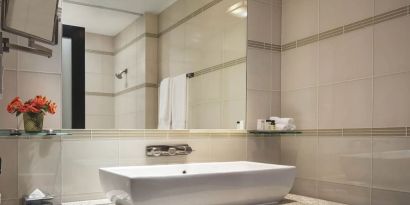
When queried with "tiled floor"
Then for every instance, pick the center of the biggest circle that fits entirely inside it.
(290, 199)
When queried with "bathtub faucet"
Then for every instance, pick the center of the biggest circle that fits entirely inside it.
(168, 150)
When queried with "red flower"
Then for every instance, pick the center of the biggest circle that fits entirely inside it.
(39, 101)
(52, 108)
(14, 105)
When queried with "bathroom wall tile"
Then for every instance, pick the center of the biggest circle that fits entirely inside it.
(233, 111)
(201, 145)
(276, 70)
(46, 84)
(391, 46)
(391, 100)
(258, 107)
(7, 120)
(386, 197)
(132, 152)
(151, 108)
(304, 187)
(382, 6)
(10, 58)
(151, 23)
(338, 192)
(345, 160)
(346, 105)
(39, 166)
(390, 163)
(259, 69)
(93, 62)
(346, 57)
(100, 121)
(276, 19)
(237, 148)
(99, 42)
(171, 15)
(260, 23)
(234, 41)
(300, 151)
(84, 158)
(264, 149)
(9, 175)
(275, 103)
(333, 13)
(211, 89)
(209, 115)
(99, 105)
(233, 82)
(299, 67)
(299, 19)
(302, 106)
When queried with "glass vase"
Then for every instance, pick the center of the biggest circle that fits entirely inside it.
(33, 122)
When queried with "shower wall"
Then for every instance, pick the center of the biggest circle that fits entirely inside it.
(345, 79)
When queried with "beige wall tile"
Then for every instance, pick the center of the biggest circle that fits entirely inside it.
(302, 106)
(382, 6)
(300, 151)
(99, 105)
(7, 120)
(346, 105)
(259, 69)
(305, 187)
(345, 160)
(84, 158)
(299, 19)
(39, 166)
(233, 82)
(390, 162)
(259, 21)
(346, 57)
(391, 100)
(333, 12)
(391, 46)
(232, 111)
(299, 67)
(258, 107)
(99, 42)
(343, 193)
(235, 145)
(264, 149)
(385, 197)
(275, 103)
(9, 175)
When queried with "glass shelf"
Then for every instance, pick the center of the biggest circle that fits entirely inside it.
(45, 133)
(275, 132)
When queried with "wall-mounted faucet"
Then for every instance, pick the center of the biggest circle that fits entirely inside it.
(119, 75)
(167, 150)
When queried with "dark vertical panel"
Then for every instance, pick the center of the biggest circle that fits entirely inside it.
(77, 35)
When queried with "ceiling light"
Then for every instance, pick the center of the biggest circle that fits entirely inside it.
(239, 9)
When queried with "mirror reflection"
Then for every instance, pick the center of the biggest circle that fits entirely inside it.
(168, 64)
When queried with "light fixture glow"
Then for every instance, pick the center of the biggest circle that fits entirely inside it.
(239, 9)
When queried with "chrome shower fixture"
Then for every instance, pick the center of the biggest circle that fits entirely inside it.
(119, 75)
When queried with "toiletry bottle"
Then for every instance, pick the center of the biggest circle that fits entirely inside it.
(273, 125)
(238, 125)
(267, 124)
(260, 124)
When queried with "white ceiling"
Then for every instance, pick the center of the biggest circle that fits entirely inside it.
(108, 17)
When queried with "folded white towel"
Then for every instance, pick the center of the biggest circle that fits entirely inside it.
(285, 127)
(179, 102)
(279, 120)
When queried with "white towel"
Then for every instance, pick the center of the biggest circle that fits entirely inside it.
(164, 104)
(179, 102)
(285, 127)
(279, 120)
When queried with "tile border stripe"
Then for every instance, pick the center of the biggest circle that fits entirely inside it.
(190, 16)
(99, 52)
(263, 45)
(393, 14)
(220, 66)
(130, 89)
(136, 39)
(349, 132)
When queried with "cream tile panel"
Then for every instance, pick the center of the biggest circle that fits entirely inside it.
(9, 175)
(264, 149)
(384, 197)
(299, 19)
(346, 105)
(275, 103)
(100, 121)
(260, 21)
(233, 82)
(99, 105)
(391, 46)
(237, 149)
(299, 67)
(259, 69)
(305, 187)
(338, 192)
(340, 160)
(232, 111)
(8, 120)
(258, 107)
(346, 57)
(333, 12)
(391, 101)
(302, 106)
(99, 42)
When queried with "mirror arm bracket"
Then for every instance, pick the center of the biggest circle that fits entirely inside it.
(33, 47)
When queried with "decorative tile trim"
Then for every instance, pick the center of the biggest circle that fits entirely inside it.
(219, 67)
(133, 88)
(190, 16)
(101, 94)
(408, 129)
(403, 11)
(357, 132)
(265, 46)
(136, 39)
(99, 52)
(393, 131)
(130, 89)
(330, 132)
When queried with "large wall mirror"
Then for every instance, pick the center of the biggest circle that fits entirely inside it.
(168, 64)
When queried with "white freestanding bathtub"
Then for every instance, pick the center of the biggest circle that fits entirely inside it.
(228, 183)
